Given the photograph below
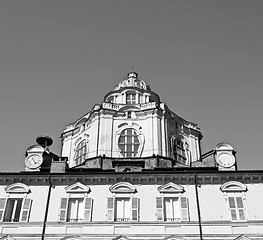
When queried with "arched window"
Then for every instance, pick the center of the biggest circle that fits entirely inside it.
(80, 152)
(178, 150)
(129, 143)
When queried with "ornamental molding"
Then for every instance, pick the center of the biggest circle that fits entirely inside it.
(173, 238)
(77, 188)
(137, 128)
(17, 188)
(122, 187)
(233, 186)
(72, 238)
(171, 188)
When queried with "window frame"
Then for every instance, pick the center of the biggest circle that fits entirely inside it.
(236, 209)
(16, 192)
(179, 150)
(133, 211)
(183, 208)
(64, 208)
(235, 190)
(129, 142)
(76, 191)
(131, 98)
(123, 190)
(80, 152)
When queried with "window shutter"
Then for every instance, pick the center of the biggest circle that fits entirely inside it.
(184, 209)
(135, 209)
(88, 209)
(240, 207)
(110, 209)
(159, 208)
(25, 210)
(232, 207)
(2, 208)
(63, 210)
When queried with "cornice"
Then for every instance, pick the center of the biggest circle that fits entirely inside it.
(146, 178)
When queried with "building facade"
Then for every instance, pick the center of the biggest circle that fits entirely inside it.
(131, 169)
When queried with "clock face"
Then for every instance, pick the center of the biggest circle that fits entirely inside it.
(34, 161)
(226, 160)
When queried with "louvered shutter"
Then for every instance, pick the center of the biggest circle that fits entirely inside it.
(240, 208)
(88, 209)
(232, 208)
(159, 208)
(184, 209)
(63, 210)
(2, 208)
(110, 209)
(26, 206)
(135, 209)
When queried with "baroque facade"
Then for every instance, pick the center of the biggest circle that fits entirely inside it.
(131, 169)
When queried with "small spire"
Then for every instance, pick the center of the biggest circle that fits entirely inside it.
(132, 74)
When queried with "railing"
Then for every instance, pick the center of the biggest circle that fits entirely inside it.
(148, 105)
(172, 219)
(115, 106)
(111, 106)
(11, 220)
(122, 219)
(75, 220)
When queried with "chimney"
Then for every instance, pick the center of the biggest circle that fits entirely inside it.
(58, 165)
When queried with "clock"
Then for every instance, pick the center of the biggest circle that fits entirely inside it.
(34, 161)
(225, 159)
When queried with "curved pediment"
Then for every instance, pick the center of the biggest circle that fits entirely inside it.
(233, 186)
(122, 187)
(17, 188)
(77, 188)
(173, 238)
(171, 188)
(35, 149)
(72, 238)
(121, 238)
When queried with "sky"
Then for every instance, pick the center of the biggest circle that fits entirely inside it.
(58, 58)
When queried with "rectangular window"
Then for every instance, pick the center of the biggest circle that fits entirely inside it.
(237, 209)
(172, 209)
(15, 209)
(75, 209)
(130, 98)
(122, 213)
(123, 209)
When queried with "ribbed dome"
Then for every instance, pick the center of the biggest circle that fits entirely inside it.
(132, 81)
